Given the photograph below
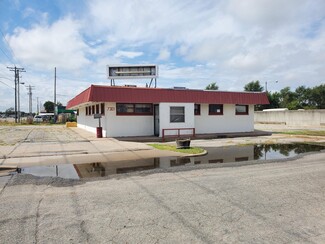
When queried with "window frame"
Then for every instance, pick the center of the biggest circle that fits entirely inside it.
(242, 113)
(170, 114)
(216, 113)
(197, 109)
(102, 108)
(134, 113)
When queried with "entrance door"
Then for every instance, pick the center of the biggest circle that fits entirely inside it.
(156, 119)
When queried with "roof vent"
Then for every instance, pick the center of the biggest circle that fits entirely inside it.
(179, 88)
(130, 85)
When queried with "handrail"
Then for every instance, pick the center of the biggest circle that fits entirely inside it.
(178, 132)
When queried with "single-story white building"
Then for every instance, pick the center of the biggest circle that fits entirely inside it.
(140, 111)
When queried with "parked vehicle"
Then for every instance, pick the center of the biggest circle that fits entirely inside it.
(38, 118)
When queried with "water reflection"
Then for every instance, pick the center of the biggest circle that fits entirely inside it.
(214, 156)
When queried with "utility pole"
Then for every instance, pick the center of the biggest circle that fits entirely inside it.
(16, 70)
(19, 83)
(55, 107)
(37, 106)
(30, 94)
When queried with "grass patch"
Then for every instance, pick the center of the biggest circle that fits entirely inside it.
(304, 132)
(168, 147)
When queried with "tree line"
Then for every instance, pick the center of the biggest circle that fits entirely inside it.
(301, 98)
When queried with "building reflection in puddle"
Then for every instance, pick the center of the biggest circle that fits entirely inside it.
(218, 155)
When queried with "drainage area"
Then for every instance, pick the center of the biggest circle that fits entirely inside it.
(216, 155)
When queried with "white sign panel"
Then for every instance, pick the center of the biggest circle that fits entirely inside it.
(145, 71)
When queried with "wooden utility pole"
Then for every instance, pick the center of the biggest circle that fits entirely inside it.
(16, 70)
(55, 107)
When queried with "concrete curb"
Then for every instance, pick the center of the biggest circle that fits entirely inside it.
(205, 152)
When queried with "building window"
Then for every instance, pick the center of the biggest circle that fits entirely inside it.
(93, 109)
(77, 112)
(215, 109)
(177, 114)
(134, 109)
(141, 108)
(97, 108)
(102, 108)
(87, 111)
(241, 109)
(197, 109)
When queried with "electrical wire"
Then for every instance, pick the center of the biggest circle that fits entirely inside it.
(9, 48)
(6, 84)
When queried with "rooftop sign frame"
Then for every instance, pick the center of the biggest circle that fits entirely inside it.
(132, 71)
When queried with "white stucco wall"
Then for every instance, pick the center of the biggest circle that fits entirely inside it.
(115, 125)
(228, 122)
(164, 114)
(89, 123)
(125, 125)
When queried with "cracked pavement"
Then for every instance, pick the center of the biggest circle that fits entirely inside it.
(277, 202)
(265, 203)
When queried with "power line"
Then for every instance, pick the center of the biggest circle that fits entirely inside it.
(6, 84)
(10, 49)
(7, 56)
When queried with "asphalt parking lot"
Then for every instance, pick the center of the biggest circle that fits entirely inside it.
(277, 202)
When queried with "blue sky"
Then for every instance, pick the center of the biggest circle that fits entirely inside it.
(230, 42)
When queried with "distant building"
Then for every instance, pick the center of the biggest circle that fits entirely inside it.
(132, 111)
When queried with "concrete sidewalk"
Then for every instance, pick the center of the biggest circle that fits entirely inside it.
(48, 145)
(24, 146)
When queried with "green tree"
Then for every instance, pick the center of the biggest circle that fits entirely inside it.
(10, 111)
(254, 86)
(49, 106)
(274, 99)
(302, 95)
(317, 96)
(212, 86)
(288, 98)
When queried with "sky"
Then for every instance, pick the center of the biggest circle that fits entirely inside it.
(194, 43)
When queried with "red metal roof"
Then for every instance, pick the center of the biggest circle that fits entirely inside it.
(120, 94)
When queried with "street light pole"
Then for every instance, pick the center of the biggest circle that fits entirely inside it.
(266, 85)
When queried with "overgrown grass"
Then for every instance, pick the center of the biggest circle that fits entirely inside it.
(10, 123)
(304, 132)
(168, 147)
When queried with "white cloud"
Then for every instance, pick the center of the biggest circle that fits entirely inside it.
(230, 42)
(59, 44)
(127, 54)
(164, 54)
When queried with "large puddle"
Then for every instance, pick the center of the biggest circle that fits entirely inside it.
(215, 155)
